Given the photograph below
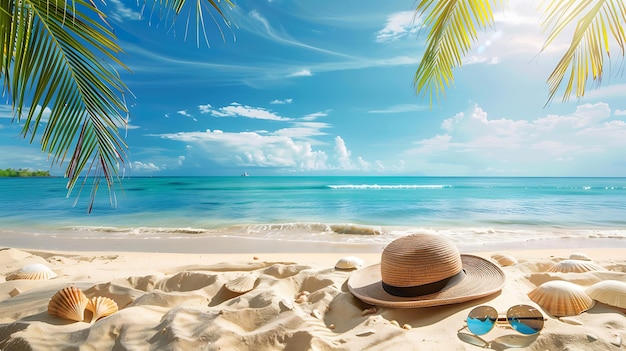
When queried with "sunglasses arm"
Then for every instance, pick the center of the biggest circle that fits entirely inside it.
(485, 342)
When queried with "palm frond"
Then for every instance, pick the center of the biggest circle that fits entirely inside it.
(60, 55)
(453, 29)
(175, 8)
(590, 41)
(51, 58)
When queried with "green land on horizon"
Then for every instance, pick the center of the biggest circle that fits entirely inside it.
(10, 172)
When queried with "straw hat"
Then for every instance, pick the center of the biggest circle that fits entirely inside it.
(422, 270)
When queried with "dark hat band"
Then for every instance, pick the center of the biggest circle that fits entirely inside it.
(425, 289)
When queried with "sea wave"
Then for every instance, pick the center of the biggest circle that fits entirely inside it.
(338, 233)
(398, 186)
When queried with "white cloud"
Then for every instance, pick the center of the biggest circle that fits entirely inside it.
(343, 154)
(238, 110)
(399, 25)
(281, 102)
(121, 12)
(187, 114)
(6, 111)
(619, 113)
(180, 160)
(303, 130)
(573, 144)
(301, 73)
(144, 167)
(315, 115)
(402, 108)
(280, 149)
(607, 91)
(259, 25)
(253, 149)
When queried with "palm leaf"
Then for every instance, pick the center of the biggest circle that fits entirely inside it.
(51, 59)
(590, 41)
(453, 29)
(56, 54)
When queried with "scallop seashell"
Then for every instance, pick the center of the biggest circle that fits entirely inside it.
(610, 292)
(35, 271)
(504, 259)
(68, 303)
(579, 256)
(349, 263)
(561, 298)
(575, 266)
(241, 284)
(101, 307)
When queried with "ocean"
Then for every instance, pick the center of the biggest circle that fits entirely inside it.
(331, 209)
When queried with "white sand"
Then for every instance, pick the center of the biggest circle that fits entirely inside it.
(177, 301)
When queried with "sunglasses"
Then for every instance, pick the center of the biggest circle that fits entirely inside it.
(524, 319)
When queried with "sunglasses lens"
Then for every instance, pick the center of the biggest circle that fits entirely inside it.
(481, 319)
(525, 319)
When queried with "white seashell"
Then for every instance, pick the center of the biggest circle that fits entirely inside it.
(349, 263)
(367, 332)
(394, 322)
(617, 341)
(504, 259)
(592, 337)
(316, 314)
(303, 293)
(302, 297)
(35, 271)
(407, 327)
(575, 266)
(579, 256)
(242, 284)
(68, 303)
(561, 298)
(331, 326)
(610, 292)
(285, 305)
(100, 307)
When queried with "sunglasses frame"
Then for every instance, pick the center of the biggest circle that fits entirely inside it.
(500, 319)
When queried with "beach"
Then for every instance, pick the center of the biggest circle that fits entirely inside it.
(176, 299)
(171, 249)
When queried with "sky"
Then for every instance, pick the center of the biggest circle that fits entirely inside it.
(300, 87)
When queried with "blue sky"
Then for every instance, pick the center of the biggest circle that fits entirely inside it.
(300, 87)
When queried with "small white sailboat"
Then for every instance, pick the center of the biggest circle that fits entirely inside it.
(245, 174)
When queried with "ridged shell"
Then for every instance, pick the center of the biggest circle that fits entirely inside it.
(68, 303)
(575, 266)
(579, 256)
(35, 271)
(610, 292)
(101, 306)
(241, 284)
(561, 298)
(504, 259)
(349, 262)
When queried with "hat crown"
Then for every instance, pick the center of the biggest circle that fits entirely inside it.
(419, 259)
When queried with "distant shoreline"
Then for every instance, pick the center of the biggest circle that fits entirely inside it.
(23, 173)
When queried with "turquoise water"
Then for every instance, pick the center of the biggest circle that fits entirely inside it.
(323, 208)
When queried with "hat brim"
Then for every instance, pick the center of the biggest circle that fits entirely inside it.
(482, 278)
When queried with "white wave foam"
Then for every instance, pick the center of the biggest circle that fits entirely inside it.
(399, 186)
